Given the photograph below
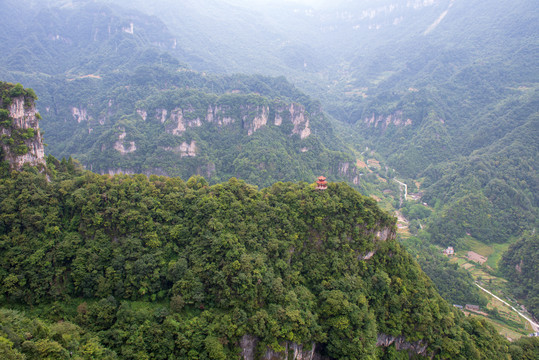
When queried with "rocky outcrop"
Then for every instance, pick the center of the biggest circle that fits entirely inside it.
(349, 171)
(79, 114)
(278, 119)
(385, 234)
(184, 149)
(143, 114)
(180, 121)
(219, 115)
(129, 29)
(300, 121)
(254, 118)
(161, 115)
(417, 347)
(119, 171)
(23, 142)
(121, 147)
(248, 344)
(384, 121)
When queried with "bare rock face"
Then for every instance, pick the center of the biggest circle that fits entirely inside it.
(417, 347)
(218, 114)
(181, 122)
(300, 121)
(294, 351)
(79, 114)
(248, 344)
(384, 121)
(124, 147)
(385, 234)
(254, 118)
(24, 144)
(143, 114)
(184, 149)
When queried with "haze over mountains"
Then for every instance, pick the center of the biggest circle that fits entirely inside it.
(435, 87)
(443, 93)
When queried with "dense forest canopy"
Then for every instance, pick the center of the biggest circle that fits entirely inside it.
(214, 263)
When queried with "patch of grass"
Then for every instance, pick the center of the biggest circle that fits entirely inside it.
(506, 331)
(478, 246)
(495, 257)
(493, 252)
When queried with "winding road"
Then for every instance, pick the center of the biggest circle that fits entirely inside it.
(534, 325)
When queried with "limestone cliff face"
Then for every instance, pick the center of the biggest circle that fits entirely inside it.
(21, 140)
(250, 117)
(349, 171)
(79, 114)
(254, 118)
(124, 147)
(220, 115)
(184, 149)
(417, 347)
(249, 343)
(180, 120)
(300, 121)
(383, 122)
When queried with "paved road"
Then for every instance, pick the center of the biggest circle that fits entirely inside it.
(534, 325)
(405, 188)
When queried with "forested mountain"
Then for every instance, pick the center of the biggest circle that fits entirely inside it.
(155, 267)
(117, 103)
(428, 85)
(443, 91)
(419, 82)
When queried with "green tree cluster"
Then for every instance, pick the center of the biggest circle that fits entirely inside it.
(158, 267)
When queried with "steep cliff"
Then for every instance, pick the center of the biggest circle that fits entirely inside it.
(21, 139)
(186, 130)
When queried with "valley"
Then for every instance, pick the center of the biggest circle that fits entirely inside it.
(429, 109)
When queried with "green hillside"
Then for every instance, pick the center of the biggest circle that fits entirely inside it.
(520, 265)
(159, 267)
(443, 94)
(117, 102)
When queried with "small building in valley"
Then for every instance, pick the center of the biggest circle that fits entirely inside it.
(471, 307)
(449, 251)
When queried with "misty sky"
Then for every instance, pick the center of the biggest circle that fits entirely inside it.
(313, 3)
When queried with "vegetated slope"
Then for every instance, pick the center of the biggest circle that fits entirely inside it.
(24, 336)
(162, 121)
(492, 194)
(424, 83)
(81, 39)
(451, 104)
(122, 105)
(244, 270)
(521, 265)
